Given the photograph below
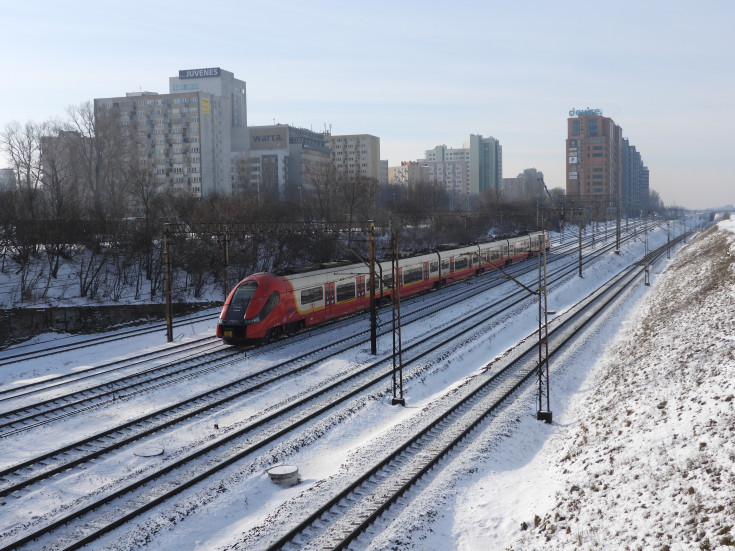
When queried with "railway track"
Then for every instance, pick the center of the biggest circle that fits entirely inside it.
(41, 412)
(14, 356)
(54, 382)
(168, 416)
(137, 494)
(339, 521)
(44, 411)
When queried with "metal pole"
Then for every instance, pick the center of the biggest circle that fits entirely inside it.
(393, 307)
(397, 399)
(373, 316)
(167, 262)
(546, 343)
(540, 338)
(581, 220)
(617, 228)
(543, 342)
(226, 261)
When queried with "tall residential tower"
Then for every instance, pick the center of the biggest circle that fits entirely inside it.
(594, 157)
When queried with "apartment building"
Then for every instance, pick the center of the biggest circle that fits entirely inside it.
(470, 170)
(635, 184)
(355, 154)
(189, 136)
(594, 157)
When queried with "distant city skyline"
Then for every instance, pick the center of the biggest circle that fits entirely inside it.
(416, 75)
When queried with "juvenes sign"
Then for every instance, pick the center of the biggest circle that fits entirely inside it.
(199, 73)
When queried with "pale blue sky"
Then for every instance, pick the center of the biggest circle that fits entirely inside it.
(416, 74)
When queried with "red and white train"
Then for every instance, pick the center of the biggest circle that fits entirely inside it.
(264, 305)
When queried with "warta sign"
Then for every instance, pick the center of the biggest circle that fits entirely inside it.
(584, 112)
(200, 73)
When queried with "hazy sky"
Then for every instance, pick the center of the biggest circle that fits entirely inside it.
(415, 74)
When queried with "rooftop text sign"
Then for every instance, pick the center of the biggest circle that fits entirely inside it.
(199, 73)
(584, 112)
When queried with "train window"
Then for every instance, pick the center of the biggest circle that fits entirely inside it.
(445, 265)
(388, 281)
(243, 294)
(460, 263)
(345, 291)
(475, 258)
(434, 267)
(411, 275)
(315, 294)
(269, 305)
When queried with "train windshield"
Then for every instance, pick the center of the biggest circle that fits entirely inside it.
(240, 300)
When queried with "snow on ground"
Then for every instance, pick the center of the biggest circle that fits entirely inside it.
(642, 448)
(642, 457)
(639, 456)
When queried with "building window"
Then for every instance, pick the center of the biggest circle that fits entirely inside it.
(575, 128)
(592, 127)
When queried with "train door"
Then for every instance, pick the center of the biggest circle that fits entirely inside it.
(360, 291)
(329, 299)
(451, 265)
(426, 271)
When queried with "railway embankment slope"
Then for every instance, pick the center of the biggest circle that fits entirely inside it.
(650, 462)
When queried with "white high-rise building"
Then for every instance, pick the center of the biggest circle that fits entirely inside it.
(189, 136)
(472, 169)
(355, 154)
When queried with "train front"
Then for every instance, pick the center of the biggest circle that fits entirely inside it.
(245, 314)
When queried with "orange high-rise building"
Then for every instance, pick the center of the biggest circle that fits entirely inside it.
(594, 157)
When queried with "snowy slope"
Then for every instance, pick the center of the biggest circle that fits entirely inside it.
(642, 456)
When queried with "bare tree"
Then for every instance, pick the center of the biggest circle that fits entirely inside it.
(357, 197)
(22, 145)
(143, 185)
(324, 199)
(101, 153)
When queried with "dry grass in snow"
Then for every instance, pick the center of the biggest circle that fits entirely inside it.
(652, 464)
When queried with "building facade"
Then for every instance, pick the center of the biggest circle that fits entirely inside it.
(452, 175)
(469, 170)
(355, 155)
(408, 173)
(7, 179)
(635, 185)
(527, 186)
(383, 180)
(188, 137)
(230, 91)
(594, 157)
(486, 165)
(285, 162)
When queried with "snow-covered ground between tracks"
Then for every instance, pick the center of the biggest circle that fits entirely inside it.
(640, 454)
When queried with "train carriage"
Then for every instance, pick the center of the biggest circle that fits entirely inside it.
(265, 305)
